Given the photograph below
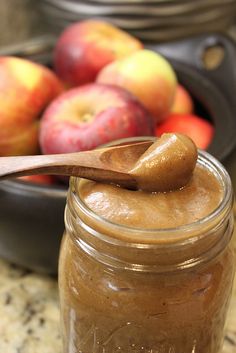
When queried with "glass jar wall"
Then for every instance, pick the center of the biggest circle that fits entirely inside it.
(126, 289)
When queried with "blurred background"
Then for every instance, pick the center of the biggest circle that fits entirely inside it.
(156, 20)
(20, 25)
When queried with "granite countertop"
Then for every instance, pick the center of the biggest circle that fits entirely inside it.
(29, 313)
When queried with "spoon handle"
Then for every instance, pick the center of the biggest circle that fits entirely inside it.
(108, 164)
(11, 167)
(86, 164)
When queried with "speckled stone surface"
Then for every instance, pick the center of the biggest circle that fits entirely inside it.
(29, 313)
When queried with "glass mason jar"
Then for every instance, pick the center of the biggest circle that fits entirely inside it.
(133, 290)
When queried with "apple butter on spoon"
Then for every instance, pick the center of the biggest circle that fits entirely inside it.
(165, 165)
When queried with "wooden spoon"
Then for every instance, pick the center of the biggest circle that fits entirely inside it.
(109, 165)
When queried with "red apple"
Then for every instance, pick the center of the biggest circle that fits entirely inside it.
(198, 129)
(38, 179)
(148, 76)
(84, 48)
(25, 90)
(183, 103)
(90, 115)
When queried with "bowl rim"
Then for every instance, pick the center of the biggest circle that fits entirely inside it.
(217, 105)
(20, 186)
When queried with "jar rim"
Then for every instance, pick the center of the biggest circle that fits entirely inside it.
(169, 235)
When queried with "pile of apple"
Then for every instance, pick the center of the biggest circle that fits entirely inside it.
(105, 86)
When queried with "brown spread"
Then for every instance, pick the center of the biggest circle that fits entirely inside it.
(141, 209)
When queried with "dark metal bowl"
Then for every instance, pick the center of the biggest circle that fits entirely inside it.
(155, 21)
(31, 216)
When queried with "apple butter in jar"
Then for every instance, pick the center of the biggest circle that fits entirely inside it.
(145, 271)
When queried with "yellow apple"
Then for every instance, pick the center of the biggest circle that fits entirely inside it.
(148, 76)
